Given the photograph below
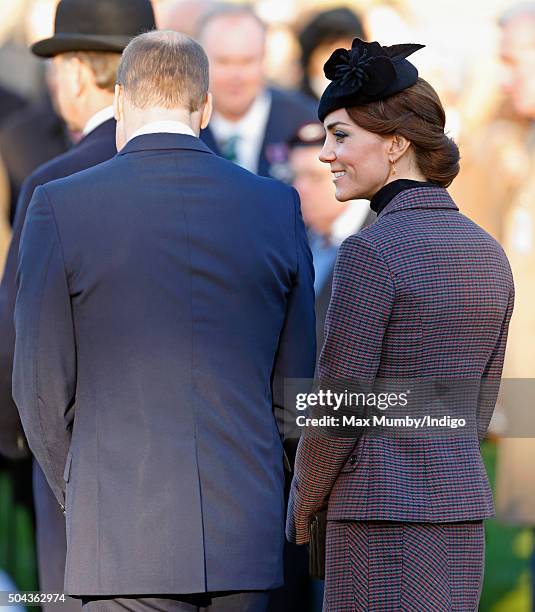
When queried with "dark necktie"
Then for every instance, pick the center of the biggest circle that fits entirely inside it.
(229, 148)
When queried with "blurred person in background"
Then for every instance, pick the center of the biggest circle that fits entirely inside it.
(31, 137)
(5, 229)
(10, 103)
(183, 15)
(252, 122)
(515, 493)
(497, 153)
(12, 475)
(329, 221)
(325, 32)
(86, 46)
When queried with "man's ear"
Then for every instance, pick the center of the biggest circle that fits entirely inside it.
(207, 111)
(118, 103)
(80, 74)
(397, 147)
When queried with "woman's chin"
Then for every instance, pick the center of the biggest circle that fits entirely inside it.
(342, 196)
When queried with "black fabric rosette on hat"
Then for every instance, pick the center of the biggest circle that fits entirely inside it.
(366, 73)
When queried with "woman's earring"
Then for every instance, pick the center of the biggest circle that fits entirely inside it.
(393, 168)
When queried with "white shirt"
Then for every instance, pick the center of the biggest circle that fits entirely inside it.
(98, 119)
(250, 130)
(164, 127)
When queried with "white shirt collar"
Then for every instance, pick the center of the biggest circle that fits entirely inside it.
(98, 119)
(350, 221)
(250, 130)
(164, 127)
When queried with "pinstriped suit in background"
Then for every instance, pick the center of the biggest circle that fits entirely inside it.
(421, 293)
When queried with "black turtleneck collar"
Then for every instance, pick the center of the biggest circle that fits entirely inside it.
(391, 190)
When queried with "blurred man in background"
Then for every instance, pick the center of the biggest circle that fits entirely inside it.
(86, 47)
(10, 103)
(516, 459)
(31, 137)
(329, 221)
(183, 15)
(251, 123)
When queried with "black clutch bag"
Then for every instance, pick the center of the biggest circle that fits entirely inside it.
(316, 547)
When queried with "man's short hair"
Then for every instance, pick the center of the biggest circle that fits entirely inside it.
(224, 9)
(165, 69)
(103, 65)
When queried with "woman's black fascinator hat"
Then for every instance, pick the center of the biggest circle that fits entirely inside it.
(366, 73)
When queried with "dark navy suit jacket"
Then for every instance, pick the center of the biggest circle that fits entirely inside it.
(162, 296)
(96, 147)
(289, 110)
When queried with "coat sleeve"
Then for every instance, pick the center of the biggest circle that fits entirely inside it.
(296, 354)
(44, 371)
(358, 315)
(12, 440)
(490, 384)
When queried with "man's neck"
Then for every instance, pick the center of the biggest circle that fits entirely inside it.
(98, 118)
(137, 120)
(90, 106)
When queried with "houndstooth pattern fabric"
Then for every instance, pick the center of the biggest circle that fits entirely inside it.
(421, 293)
(408, 567)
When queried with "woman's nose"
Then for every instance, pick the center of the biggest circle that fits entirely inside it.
(327, 154)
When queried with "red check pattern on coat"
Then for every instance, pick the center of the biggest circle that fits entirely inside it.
(417, 567)
(422, 293)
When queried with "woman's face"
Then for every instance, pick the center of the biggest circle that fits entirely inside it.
(359, 160)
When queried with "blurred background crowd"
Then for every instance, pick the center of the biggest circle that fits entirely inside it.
(480, 56)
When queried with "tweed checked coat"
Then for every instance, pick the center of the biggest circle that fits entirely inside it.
(421, 293)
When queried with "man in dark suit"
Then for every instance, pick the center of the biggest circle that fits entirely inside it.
(252, 123)
(86, 80)
(163, 298)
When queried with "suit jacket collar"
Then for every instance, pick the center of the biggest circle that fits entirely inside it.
(105, 130)
(163, 141)
(420, 198)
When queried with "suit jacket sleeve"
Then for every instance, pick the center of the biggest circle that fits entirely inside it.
(490, 385)
(296, 353)
(12, 440)
(44, 371)
(358, 315)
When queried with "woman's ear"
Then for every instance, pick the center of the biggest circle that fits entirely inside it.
(397, 147)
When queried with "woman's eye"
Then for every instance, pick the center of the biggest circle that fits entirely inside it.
(339, 136)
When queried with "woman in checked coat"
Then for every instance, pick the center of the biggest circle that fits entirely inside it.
(422, 294)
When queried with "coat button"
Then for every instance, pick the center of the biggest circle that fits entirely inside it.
(353, 459)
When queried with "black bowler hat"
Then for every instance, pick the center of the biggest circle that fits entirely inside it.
(366, 73)
(96, 25)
